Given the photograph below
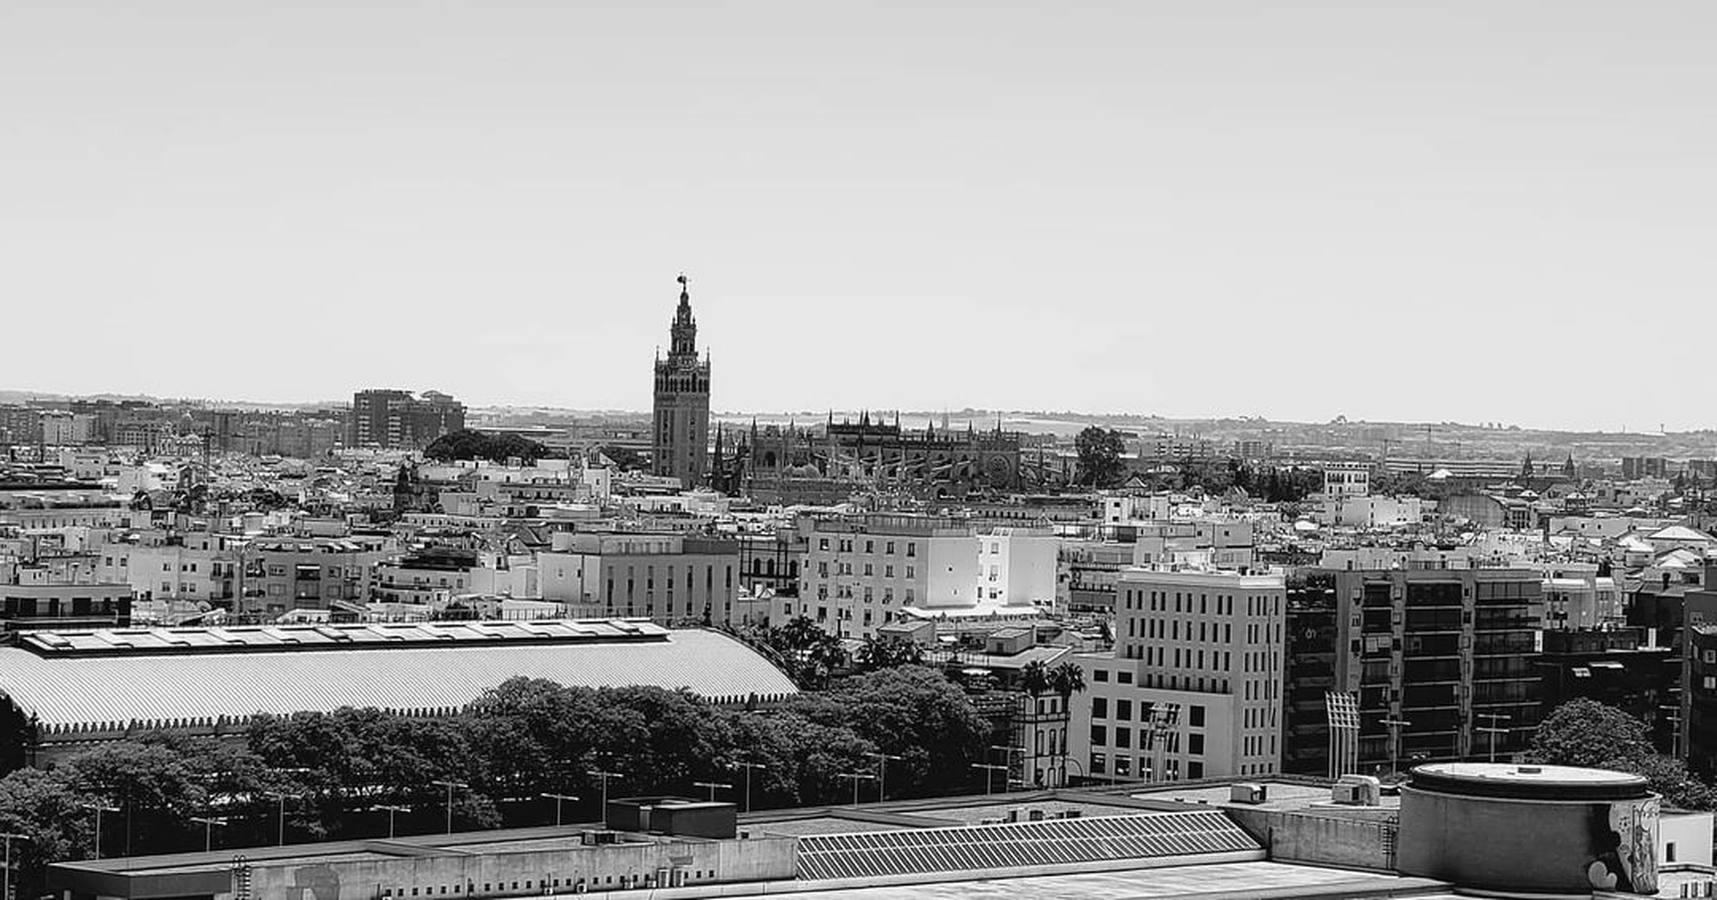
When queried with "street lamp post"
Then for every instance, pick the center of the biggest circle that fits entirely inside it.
(557, 798)
(209, 823)
(281, 797)
(99, 809)
(1395, 724)
(856, 778)
(9, 837)
(1007, 751)
(713, 786)
(1493, 729)
(604, 776)
(990, 776)
(450, 785)
(882, 772)
(390, 811)
(749, 767)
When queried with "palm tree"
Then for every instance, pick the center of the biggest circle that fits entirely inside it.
(1034, 679)
(1066, 680)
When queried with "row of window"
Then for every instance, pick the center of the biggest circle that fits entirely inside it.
(846, 568)
(1123, 739)
(1124, 711)
(1124, 767)
(846, 545)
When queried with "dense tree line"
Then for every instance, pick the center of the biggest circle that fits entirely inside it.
(466, 444)
(332, 775)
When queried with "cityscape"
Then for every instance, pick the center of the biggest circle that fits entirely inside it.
(856, 452)
(282, 631)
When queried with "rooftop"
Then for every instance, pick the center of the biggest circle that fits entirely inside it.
(117, 688)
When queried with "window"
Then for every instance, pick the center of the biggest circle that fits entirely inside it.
(1099, 707)
(1099, 674)
(1123, 738)
(1195, 744)
(1099, 735)
(1195, 717)
(1123, 709)
(1124, 677)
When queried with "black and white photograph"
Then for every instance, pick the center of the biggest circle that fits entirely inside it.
(857, 449)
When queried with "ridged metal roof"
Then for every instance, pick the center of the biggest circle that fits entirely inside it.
(1020, 845)
(101, 693)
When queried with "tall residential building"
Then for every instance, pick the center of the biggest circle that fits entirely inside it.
(681, 429)
(396, 420)
(1448, 652)
(860, 571)
(1193, 687)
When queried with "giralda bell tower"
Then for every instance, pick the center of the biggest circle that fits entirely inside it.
(681, 436)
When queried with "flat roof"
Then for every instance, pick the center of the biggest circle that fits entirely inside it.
(1211, 881)
(1526, 781)
(184, 686)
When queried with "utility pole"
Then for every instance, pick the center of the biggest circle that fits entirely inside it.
(856, 778)
(1493, 729)
(557, 798)
(99, 809)
(713, 786)
(450, 785)
(749, 767)
(9, 838)
(990, 776)
(1007, 751)
(209, 823)
(604, 776)
(882, 772)
(390, 811)
(1395, 724)
(280, 819)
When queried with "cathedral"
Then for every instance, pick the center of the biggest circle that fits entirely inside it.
(680, 435)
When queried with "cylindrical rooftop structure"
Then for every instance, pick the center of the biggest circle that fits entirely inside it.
(1529, 829)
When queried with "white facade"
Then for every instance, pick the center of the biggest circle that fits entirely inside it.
(859, 573)
(1368, 511)
(1347, 479)
(1017, 566)
(1200, 647)
(1218, 543)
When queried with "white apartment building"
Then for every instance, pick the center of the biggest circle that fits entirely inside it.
(1193, 687)
(859, 572)
(1576, 597)
(1370, 511)
(667, 578)
(1218, 543)
(1017, 566)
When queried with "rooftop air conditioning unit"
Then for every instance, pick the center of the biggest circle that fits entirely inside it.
(1247, 792)
(1364, 790)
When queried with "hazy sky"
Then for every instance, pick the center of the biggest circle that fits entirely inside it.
(1475, 211)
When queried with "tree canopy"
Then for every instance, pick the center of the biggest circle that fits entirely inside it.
(466, 444)
(1584, 732)
(1100, 450)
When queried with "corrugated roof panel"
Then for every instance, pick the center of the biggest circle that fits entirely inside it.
(1020, 845)
(77, 691)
